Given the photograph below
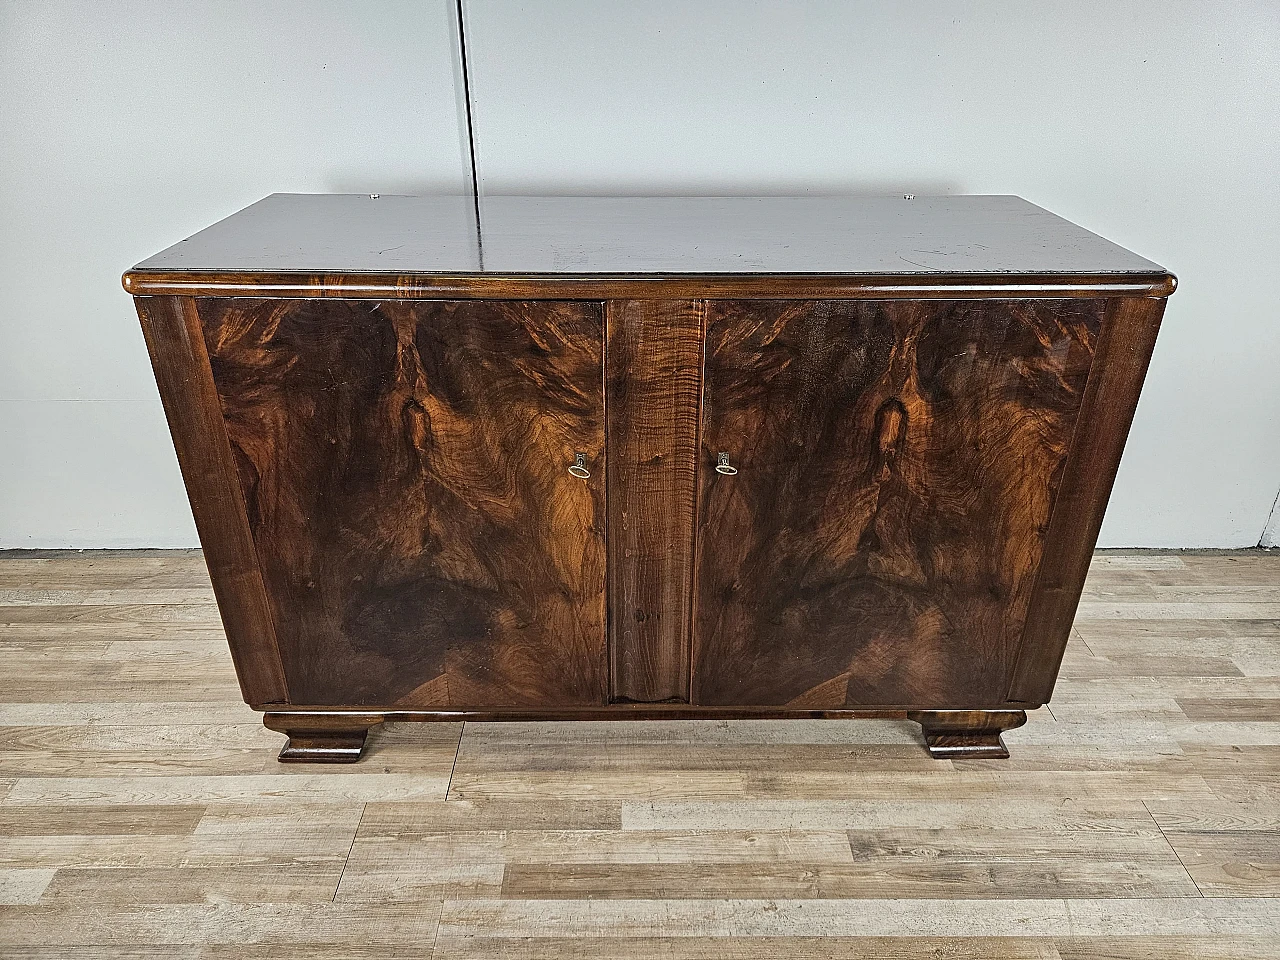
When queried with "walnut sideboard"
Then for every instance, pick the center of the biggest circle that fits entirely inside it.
(629, 458)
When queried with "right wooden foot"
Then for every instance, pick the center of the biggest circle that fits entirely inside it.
(344, 746)
(967, 734)
(321, 738)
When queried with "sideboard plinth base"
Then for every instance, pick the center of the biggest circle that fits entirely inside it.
(967, 734)
(321, 738)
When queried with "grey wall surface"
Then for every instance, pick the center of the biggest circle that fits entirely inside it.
(128, 125)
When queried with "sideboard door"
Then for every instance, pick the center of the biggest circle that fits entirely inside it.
(875, 484)
(424, 483)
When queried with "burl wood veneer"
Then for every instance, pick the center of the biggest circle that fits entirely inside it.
(638, 458)
(402, 465)
(897, 465)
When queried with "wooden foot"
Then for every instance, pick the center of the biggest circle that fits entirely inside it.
(316, 737)
(967, 734)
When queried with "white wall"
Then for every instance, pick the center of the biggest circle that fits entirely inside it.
(1153, 123)
(1156, 124)
(1271, 535)
(130, 124)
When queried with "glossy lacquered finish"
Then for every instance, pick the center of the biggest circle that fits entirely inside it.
(512, 479)
(967, 734)
(405, 469)
(655, 361)
(646, 237)
(897, 464)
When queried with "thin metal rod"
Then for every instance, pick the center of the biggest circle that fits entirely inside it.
(471, 132)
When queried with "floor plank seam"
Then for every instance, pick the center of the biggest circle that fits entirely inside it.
(435, 932)
(1077, 635)
(461, 733)
(1173, 849)
(347, 859)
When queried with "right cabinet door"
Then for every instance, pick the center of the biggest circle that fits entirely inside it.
(896, 464)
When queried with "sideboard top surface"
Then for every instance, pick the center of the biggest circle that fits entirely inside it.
(637, 236)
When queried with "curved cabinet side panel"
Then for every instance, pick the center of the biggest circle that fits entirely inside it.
(1124, 351)
(172, 331)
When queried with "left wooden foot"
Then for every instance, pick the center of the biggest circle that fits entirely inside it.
(321, 737)
(967, 734)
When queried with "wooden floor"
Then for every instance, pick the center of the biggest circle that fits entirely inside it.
(143, 814)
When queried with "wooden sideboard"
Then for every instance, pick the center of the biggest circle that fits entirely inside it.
(635, 458)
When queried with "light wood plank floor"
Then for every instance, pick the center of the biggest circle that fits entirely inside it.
(143, 814)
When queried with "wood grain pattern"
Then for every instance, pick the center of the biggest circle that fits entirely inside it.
(1127, 339)
(655, 385)
(171, 328)
(897, 466)
(967, 734)
(405, 467)
(321, 738)
(807, 286)
(612, 711)
(379, 431)
(164, 828)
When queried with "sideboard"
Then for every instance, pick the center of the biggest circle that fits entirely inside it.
(633, 458)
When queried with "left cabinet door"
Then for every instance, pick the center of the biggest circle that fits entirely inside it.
(405, 470)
